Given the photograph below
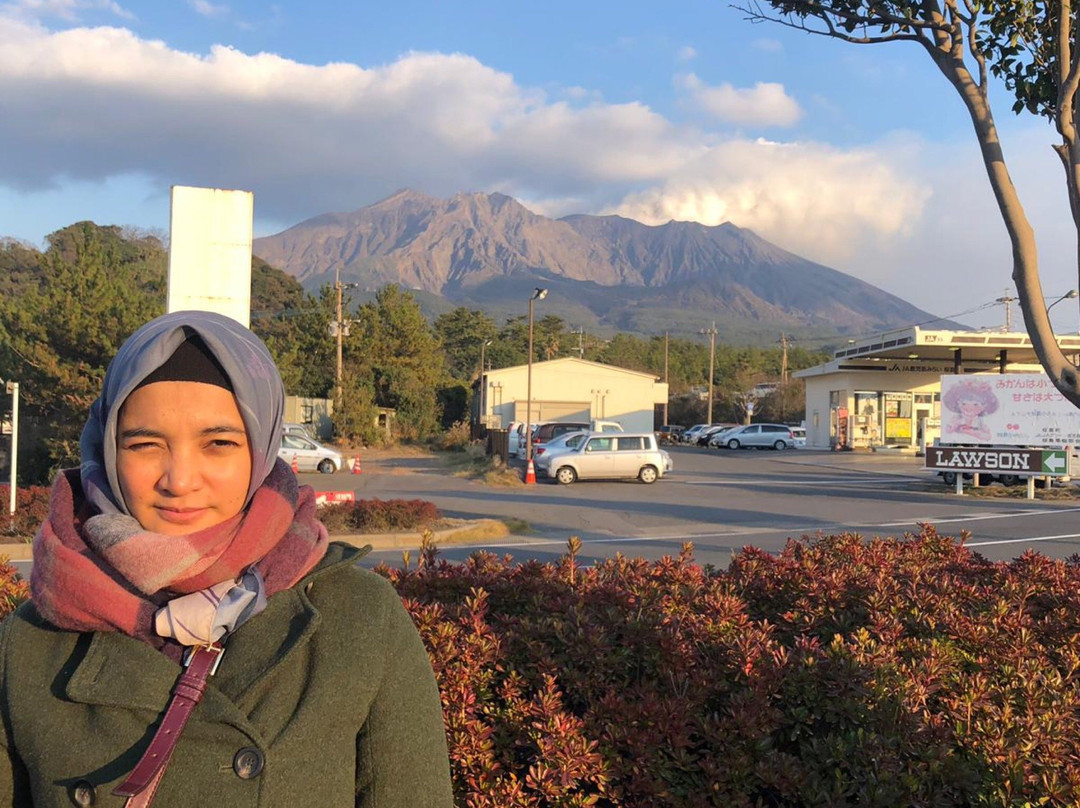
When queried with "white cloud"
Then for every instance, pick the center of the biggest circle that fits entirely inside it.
(768, 45)
(765, 104)
(810, 198)
(208, 9)
(66, 10)
(687, 53)
(87, 105)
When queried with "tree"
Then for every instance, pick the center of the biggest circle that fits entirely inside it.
(90, 291)
(461, 333)
(1030, 44)
(392, 349)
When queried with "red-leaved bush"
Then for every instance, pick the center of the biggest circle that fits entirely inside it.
(13, 589)
(890, 672)
(31, 508)
(378, 515)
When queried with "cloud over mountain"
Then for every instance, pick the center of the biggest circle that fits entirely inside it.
(94, 103)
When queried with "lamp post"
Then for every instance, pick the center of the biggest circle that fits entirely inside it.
(483, 386)
(1072, 294)
(538, 294)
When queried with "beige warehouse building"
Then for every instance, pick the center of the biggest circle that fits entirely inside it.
(572, 389)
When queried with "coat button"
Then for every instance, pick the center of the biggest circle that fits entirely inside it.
(248, 763)
(82, 794)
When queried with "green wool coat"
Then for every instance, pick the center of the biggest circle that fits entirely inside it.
(325, 699)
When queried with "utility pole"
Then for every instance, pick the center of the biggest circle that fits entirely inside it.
(1008, 300)
(783, 358)
(13, 389)
(483, 382)
(339, 329)
(580, 342)
(667, 398)
(712, 364)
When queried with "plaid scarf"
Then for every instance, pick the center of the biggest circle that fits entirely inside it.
(104, 572)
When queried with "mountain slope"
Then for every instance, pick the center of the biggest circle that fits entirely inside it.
(489, 250)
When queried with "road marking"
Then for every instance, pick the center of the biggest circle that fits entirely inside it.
(1020, 541)
(847, 481)
(980, 518)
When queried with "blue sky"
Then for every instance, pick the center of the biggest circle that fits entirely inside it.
(861, 158)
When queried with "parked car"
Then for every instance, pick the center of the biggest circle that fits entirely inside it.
(310, 456)
(611, 456)
(564, 443)
(690, 435)
(716, 439)
(705, 436)
(670, 433)
(760, 436)
(799, 434)
(605, 426)
(516, 439)
(544, 432)
(298, 429)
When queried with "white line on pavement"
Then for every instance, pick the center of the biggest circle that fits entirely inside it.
(1020, 541)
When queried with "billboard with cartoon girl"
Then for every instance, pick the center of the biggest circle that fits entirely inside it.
(1010, 409)
(967, 402)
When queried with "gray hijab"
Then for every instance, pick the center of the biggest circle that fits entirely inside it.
(256, 384)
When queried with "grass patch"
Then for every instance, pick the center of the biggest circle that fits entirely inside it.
(474, 464)
(515, 525)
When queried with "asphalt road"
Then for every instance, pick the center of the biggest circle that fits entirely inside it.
(722, 501)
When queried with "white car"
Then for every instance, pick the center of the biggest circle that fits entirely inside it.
(309, 455)
(542, 455)
(611, 455)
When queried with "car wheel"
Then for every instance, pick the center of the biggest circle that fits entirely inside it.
(733, 444)
(565, 475)
(648, 474)
(949, 477)
(780, 444)
(327, 466)
(1009, 479)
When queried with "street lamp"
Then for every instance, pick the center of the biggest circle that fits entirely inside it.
(1072, 294)
(538, 294)
(483, 386)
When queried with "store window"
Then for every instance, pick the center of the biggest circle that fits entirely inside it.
(898, 417)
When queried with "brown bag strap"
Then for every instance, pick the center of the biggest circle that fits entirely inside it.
(142, 783)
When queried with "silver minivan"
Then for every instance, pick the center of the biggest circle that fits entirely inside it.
(611, 455)
(760, 436)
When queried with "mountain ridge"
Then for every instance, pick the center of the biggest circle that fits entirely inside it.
(489, 250)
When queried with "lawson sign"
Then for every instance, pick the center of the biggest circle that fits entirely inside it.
(1009, 409)
(1026, 462)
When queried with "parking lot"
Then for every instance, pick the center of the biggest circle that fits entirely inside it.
(723, 500)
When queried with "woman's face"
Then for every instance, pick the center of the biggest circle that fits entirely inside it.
(182, 456)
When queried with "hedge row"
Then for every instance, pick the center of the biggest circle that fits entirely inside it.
(378, 516)
(888, 672)
(838, 672)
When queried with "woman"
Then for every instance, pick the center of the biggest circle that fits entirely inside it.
(181, 535)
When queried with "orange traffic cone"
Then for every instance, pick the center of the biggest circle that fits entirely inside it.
(530, 472)
(356, 465)
(295, 465)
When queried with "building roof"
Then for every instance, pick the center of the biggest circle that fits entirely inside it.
(550, 364)
(918, 349)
